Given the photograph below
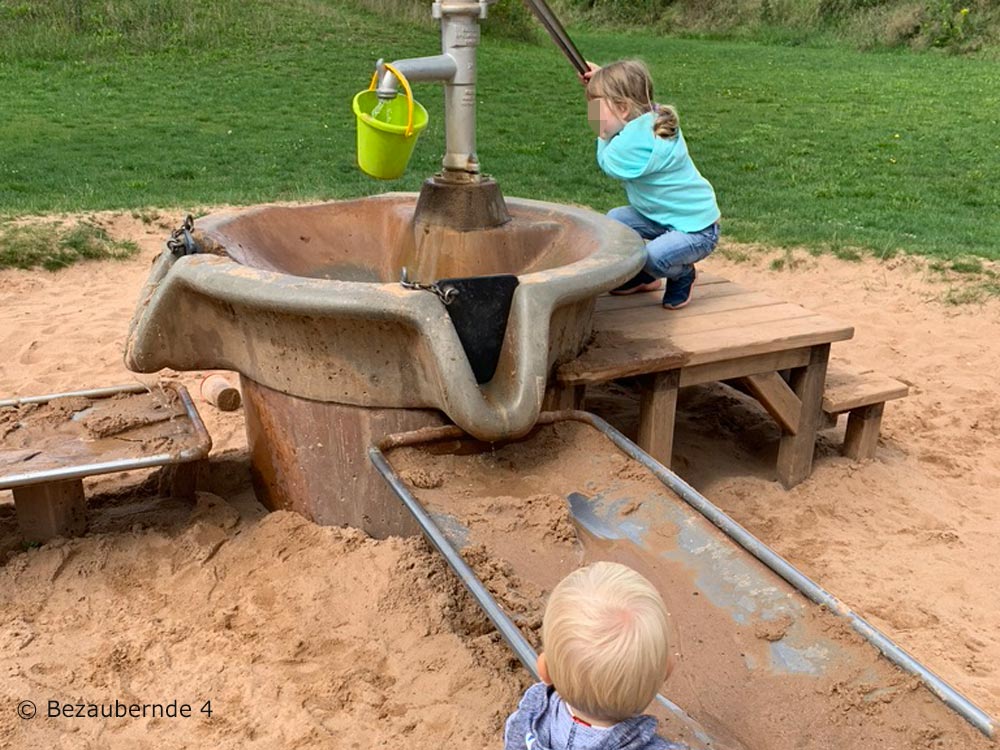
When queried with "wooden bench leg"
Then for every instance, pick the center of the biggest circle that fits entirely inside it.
(559, 397)
(185, 480)
(657, 411)
(863, 426)
(51, 509)
(795, 453)
(180, 480)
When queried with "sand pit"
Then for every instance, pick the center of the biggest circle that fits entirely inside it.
(316, 637)
(511, 503)
(299, 636)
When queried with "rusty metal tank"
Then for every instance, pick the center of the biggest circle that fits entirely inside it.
(305, 302)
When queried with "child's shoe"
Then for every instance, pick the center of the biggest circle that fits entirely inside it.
(678, 292)
(641, 282)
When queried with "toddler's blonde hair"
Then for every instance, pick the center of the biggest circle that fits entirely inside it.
(627, 84)
(604, 634)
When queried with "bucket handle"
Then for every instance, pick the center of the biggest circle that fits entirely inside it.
(406, 88)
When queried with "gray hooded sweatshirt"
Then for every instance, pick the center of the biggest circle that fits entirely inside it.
(543, 722)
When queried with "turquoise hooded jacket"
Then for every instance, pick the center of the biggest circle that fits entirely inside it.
(661, 181)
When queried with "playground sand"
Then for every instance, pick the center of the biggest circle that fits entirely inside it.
(511, 501)
(304, 636)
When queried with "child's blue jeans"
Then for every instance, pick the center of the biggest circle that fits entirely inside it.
(669, 252)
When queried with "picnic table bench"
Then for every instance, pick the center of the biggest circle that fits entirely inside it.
(861, 394)
(727, 332)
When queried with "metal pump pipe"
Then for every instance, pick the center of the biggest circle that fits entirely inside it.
(456, 68)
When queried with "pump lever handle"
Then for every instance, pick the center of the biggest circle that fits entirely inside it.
(555, 29)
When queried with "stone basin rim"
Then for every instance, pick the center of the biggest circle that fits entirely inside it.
(582, 272)
(208, 311)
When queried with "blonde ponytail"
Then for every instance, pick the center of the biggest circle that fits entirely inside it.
(667, 123)
(627, 84)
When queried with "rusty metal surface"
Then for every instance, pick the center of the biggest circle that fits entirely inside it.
(311, 457)
(323, 317)
(464, 206)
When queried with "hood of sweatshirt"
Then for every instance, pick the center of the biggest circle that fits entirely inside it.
(531, 726)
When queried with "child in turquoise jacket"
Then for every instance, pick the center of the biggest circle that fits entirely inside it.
(671, 205)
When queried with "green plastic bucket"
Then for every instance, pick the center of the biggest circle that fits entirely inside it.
(385, 142)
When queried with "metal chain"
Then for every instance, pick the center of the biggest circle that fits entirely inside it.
(181, 240)
(446, 294)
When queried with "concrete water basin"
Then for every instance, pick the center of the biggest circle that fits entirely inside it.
(306, 304)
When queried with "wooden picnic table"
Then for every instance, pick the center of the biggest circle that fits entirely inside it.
(727, 332)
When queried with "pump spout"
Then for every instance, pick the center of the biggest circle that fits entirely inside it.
(435, 68)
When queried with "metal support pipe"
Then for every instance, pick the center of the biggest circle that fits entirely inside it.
(507, 629)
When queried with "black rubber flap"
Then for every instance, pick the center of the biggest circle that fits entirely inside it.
(478, 309)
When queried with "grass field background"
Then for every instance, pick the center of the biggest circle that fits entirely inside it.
(823, 147)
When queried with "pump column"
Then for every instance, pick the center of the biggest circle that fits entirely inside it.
(459, 39)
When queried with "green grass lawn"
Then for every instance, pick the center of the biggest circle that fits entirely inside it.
(820, 147)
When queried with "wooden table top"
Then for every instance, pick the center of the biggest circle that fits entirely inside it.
(634, 335)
